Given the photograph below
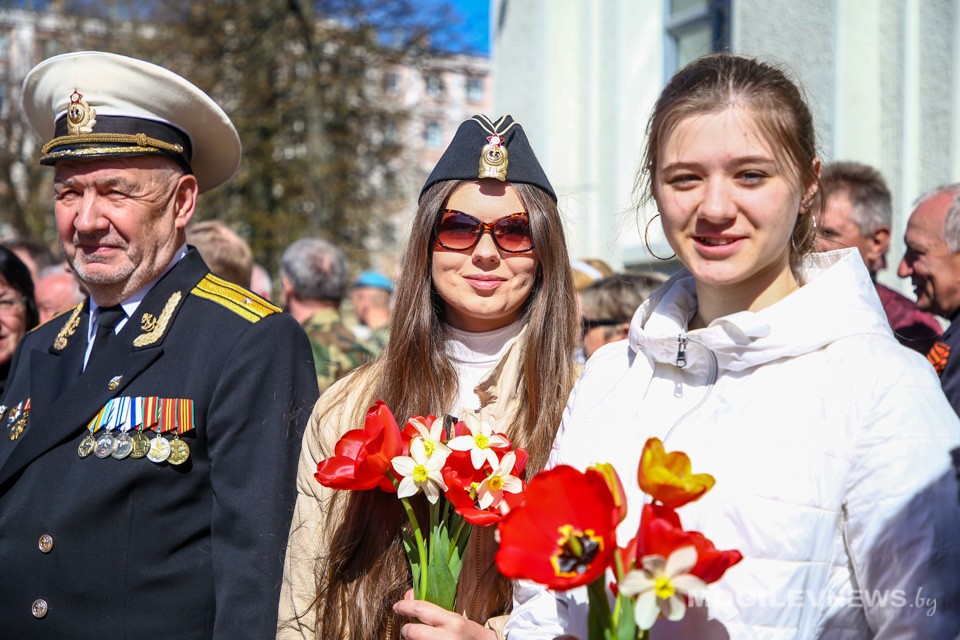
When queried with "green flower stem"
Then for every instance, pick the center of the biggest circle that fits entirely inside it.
(421, 547)
(618, 603)
(456, 536)
(600, 621)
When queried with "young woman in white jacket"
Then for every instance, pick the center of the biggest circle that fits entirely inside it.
(776, 371)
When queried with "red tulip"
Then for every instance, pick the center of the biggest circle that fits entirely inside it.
(362, 457)
(661, 533)
(564, 535)
(462, 493)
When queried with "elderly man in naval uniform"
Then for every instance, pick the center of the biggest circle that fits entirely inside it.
(149, 436)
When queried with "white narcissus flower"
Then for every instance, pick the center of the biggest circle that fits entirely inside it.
(491, 489)
(659, 585)
(420, 472)
(479, 442)
(432, 436)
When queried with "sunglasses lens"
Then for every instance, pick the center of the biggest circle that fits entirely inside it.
(457, 231)
(513, 233)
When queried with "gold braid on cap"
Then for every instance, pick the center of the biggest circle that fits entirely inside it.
(493, 155)
(138, 139)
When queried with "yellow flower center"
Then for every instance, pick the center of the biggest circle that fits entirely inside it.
(429, 446)
(495, 483)
(482, 441)
(420, 474)
(664, 588)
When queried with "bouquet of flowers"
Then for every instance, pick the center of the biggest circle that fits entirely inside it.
(469, 474)
(564, 536)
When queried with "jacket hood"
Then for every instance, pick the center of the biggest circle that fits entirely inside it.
(836, 299)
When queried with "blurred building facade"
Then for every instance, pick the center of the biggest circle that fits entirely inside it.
(437, 94)
(881, 77)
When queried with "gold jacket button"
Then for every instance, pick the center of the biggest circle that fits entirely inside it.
(46, 543)
(39, 608)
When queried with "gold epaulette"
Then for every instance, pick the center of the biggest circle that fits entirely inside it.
(64, 312)
(245, 304)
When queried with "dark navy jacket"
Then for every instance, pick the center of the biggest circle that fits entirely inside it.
(133, 549)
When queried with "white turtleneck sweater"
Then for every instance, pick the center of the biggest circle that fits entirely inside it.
(474, 355)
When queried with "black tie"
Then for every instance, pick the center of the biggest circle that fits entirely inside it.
(109, 317)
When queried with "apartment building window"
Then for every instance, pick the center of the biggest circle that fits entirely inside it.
(475, 89)
(4, 45)
(433, 134)
(695, 28)
(434, 86)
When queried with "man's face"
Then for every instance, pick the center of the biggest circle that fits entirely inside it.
(932, 268)
(56, 293)
(838, 230)
(120, 220)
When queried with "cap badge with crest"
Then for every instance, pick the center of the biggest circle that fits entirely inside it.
(494, 158)
(81, 117)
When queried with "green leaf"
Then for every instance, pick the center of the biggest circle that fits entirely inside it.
(442, 582)
(410, 548)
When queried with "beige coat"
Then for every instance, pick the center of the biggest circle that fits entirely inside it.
(312, 526)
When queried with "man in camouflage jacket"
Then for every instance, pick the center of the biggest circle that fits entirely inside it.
(314, 282)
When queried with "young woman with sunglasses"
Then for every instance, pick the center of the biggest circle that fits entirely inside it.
(484, 306)
(776, 371)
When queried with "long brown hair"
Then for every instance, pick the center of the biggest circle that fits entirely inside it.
(365, 569)
(713, 83)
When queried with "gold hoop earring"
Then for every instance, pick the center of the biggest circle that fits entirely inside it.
(646, 240)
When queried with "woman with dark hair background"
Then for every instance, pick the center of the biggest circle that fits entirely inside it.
(18, 309)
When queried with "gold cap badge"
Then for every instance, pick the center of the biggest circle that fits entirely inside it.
(81, 117)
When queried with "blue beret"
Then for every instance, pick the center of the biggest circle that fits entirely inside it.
(373, 279)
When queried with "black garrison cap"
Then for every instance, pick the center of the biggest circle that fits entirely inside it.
(482, 148)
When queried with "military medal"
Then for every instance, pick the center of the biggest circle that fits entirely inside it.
(183, 412)
(128, 419)
(159, 449)
(89, 443)
(124, 446)
(179, 451)
(141, 444)
(107, 442)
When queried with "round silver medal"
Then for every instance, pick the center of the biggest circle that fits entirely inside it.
(106, 444)
(124, 446)
(87, 445)
(159, 450)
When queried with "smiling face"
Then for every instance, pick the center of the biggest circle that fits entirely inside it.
(120, 220)
(932, 268)
(13, 320)
(728, 206)
(483, 288)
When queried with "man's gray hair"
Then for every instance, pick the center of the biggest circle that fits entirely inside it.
(951, 231)
(869, 195)
(316, 269)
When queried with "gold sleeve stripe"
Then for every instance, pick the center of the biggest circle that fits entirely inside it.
(242, 302)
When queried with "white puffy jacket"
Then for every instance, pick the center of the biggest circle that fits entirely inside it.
(830, 446)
